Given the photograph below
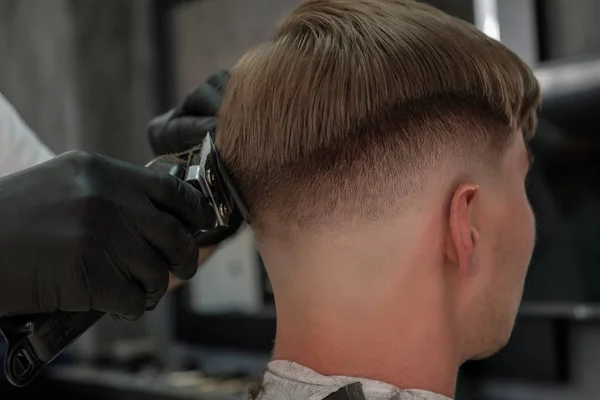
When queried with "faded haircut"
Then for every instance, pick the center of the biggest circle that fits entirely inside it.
(338, 117)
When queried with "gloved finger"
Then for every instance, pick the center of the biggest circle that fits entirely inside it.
(129, 305)
(161, 120)
(204, 101)
(179, 199)
(219, 80)
(155, 133)
(175, 244)
(148, 268)
(179, 134)
(188, 132)
(185, 260)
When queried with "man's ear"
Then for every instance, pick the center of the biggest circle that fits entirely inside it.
(462, 235)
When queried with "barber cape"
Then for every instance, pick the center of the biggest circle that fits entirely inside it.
(285, 380)
(20, 148)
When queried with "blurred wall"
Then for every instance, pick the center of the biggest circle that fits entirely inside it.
(80, 72)
(462, 9)
(113, 51)
(36, 68)
(213, 34)
(570, 27)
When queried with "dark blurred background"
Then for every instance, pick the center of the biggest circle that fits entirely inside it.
(90, 74)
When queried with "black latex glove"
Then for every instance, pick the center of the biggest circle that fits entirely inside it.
(85, 232)
(185, 126)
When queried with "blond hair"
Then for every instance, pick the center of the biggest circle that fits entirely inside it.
(337, 116)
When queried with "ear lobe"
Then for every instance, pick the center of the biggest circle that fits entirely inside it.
(462, 234)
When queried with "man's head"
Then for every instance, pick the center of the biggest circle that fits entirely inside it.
(381, 148)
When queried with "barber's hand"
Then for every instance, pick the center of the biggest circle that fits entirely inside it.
(184, 127)
(85, 232)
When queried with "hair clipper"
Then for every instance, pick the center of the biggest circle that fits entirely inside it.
(36, 340)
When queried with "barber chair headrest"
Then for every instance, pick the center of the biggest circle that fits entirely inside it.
(571, 94)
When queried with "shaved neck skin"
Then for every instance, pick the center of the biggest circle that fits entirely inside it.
(410, 299)
(344, 308)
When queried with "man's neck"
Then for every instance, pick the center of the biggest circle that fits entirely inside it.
(415, 354)
(350, 309)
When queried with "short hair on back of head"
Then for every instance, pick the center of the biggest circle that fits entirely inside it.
(336, 118)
